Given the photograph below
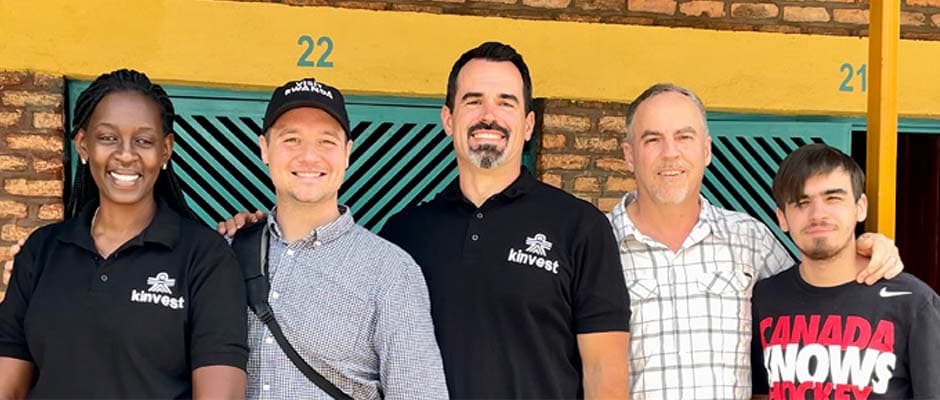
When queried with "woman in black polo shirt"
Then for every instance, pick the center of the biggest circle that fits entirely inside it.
(130, 296)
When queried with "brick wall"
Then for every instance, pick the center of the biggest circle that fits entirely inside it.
(920, 19)
(31, 145)
(579, 150)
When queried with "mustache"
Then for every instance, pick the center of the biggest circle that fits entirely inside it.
(672, 165)
(492, 126)
(815, 225)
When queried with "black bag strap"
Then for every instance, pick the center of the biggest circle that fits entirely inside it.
(250, 245)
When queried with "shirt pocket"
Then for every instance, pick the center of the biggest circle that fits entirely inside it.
(641, 288)
(735, 284)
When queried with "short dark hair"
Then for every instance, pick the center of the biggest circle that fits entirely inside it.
(496, 52)
(660, 88)
(808, 161)
(84, 189)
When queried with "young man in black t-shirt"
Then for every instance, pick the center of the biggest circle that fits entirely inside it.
(817, 333)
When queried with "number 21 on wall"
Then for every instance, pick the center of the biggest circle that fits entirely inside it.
(323, 43)
(850, 73)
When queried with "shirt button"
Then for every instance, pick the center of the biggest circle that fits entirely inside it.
(479, 215)
(290, 252)
(265, 387)
(103, 277)
(269, 340)
(317, 243)
(474, 237)
(275, 295)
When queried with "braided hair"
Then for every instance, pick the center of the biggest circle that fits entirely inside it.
(84, 188)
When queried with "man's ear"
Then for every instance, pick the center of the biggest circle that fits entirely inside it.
(861, 207)
(446, 118)
(263, 144)
(782, 220)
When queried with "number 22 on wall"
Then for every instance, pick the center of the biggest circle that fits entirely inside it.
(324, 43)
(850, 73)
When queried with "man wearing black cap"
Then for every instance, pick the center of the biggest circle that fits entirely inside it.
(353, 305)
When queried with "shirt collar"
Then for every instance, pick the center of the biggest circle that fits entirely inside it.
(163, 229)
(523, 184)
(325, 233)
(709, 221)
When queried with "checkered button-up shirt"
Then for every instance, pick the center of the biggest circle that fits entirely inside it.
(691, 310)
(356, 308)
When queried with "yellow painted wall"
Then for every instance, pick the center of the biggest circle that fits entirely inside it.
(236, 44)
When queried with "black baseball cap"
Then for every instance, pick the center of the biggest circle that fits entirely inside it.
(307, 93)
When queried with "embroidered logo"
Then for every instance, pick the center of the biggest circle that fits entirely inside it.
(535, 254)
(161, 283)
(885, 293)
(159, 292)
(538, 244)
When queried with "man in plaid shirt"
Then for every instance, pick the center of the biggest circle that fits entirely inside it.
(690, 266)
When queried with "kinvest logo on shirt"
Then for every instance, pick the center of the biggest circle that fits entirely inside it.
(839, 357)
(159, 292)
(535, 254)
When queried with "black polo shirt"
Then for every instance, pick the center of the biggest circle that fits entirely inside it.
(135, 325)
(512, 283)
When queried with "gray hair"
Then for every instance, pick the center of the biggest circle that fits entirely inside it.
(660, 88)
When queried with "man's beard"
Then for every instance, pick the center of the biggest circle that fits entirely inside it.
(821, 250)
(487, 156)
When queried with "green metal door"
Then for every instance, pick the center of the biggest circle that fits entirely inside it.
(745, 157)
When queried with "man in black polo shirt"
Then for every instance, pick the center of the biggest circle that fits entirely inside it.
(527, 295)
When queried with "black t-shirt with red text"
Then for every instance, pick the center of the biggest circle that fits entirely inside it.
(851, 341)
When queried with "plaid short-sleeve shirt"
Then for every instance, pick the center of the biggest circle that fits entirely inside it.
(691, 310)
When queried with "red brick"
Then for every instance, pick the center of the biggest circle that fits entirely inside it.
(754, 10)
(607, 204)
(588, 197)
(11, 118)
(653, 6)
(35, 142)
(601, 5)
(928, 3)
(417, 8)
(547, 3)
(935, 19)
(14, 233)
(780, 28)
(619, 184)
(12, 163)
(21, 98)
(50, 211)
(596, 144)
(569, 123)
(913, 18)
(611, 164)
(805, 14)
(616, 124)
(553, 141)
(562, 161)
(45, 120)
(552, 179)
(850, 16)
(586, 184)
(10, 78)
(13, 209)
(33, 188)
(699, 8)
(369, 5)
(42, 166)
(496, 1)
(48, 81)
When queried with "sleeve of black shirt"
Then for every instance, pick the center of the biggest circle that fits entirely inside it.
(924, 340)
(758, 372)
(13, 308)
(601, 302)
(219, 332)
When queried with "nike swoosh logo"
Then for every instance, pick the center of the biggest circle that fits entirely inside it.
(885, 293)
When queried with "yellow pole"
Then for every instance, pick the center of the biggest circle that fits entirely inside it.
(882, 151)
